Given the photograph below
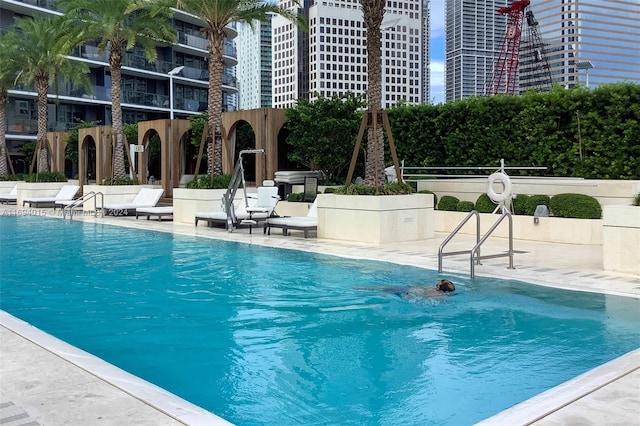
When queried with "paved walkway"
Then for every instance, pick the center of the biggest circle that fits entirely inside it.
(45, 381)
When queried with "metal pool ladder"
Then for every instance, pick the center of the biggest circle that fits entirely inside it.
(475, 256)
(80, 202)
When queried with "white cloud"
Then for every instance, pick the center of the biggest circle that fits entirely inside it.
(437, 82)
(437, 18)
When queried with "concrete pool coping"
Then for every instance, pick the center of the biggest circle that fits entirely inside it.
(607, 394)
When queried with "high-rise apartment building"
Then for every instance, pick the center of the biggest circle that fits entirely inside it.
(590, 41)
(254, 65)
(332, 58)
(473, 36)
(145, 85)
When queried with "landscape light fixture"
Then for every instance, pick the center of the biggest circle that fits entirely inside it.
(171, 73)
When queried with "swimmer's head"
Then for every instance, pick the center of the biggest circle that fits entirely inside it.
(445, 286)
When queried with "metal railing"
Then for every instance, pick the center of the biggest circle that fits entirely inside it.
(80, 202)
(474, 253)
(453, 233)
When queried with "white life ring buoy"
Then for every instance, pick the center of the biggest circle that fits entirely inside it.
(506, 187)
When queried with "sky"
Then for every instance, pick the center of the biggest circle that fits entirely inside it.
(437, 51)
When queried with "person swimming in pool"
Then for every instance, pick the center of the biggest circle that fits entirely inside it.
(417, 292)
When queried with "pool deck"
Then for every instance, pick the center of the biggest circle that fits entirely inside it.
(44, 381)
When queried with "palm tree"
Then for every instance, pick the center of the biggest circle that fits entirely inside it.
(373, 13)
(42, 47)
(8, 75)
(119, 25)
(216, 15)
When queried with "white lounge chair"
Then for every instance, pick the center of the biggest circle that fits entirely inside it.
(66, 193)
(240, 210)
(146, 197)
(11, 197)
(161, 212)
(267, 201)
(303, 223)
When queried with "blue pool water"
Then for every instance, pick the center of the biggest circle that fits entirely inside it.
(269, 336)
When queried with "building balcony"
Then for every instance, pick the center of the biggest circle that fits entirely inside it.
(192, 40)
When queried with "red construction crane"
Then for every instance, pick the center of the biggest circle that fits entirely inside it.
(504, 78)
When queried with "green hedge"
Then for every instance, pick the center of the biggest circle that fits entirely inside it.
(209, 182)
(575, 205)
(465, 206)
(589, 133)
(520, 203)
(448, 203)
(534, 201)
(45, 177)
(484, 204)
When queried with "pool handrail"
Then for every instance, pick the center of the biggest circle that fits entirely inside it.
(474, 253)
(80, 201)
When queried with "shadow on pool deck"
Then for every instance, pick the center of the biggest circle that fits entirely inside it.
(45, 381)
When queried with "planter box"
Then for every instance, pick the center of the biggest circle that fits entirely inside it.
(548, 229)
(112, 194)
(37, 190)
(186, 202)
(285, 208)
(621, 245)
(375, 219)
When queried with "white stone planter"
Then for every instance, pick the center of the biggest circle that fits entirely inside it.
(37, 190)
(112, 194)
(548, 229)
(621, 245)
(375, 219)
(186, 202)
(7, 185)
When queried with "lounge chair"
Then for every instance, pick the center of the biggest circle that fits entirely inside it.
(267, 201)
(160, 212)
(302, 223)
(146, 197)
(11, 197)
(220, 217)
(66, 193)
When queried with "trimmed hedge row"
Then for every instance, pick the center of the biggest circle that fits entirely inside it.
(589, 133)
(577, 206)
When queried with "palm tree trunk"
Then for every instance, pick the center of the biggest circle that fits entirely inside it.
(4, 98)
(42, 87)
(373, 13)
(115, 64)
(214, 104)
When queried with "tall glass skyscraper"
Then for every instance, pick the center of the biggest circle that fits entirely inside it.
(473, 31)
(590, 42)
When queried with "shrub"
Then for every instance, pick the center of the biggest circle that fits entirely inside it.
(578, 206)
(388, 189)
(18, 176)
(448, 203)
(435, 197)
(295, 197)
(636, 200)
(119, 181)
(209, 182)
(465, 206)
(520, 204)
(533, 202)
(484, 204)
(329, 190)
(45, 177)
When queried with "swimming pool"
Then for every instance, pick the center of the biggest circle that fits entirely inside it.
(260, 335)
